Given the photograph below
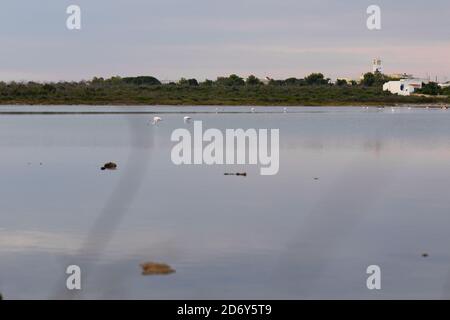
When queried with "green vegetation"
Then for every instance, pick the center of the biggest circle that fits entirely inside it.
(433, 89)
(314, 89)
(446, 91)
(375, 79)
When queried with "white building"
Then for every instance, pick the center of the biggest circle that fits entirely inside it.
(444, 85)
(404, 87)
(376, 66)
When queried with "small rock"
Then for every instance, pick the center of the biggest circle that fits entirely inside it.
(151, 268)
(109, 166)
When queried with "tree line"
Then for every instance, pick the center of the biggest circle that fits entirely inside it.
(369, 79)
(314, 89)
(313, 79)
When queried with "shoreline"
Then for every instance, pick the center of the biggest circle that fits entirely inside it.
(209, 109)
(137, 105)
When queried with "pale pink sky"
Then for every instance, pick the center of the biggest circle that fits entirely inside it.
(170, 39)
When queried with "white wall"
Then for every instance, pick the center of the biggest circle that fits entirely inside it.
(403, 87)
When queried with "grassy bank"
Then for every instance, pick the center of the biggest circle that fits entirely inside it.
(91, 93)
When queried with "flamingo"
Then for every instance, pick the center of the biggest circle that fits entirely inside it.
(156, 120)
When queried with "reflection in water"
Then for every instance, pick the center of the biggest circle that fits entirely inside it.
(118, 204)
(374, 145)
(355, 188)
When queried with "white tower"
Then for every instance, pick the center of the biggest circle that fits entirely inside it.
(376, 65)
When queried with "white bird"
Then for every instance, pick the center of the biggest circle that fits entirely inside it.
(252, 110)
(392, 109)
(217, 110)
(285, 110)
(156, 120)
(187, 119)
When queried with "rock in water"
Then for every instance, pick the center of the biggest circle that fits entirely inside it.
(109, 166)
(243, 174)
(151, 268)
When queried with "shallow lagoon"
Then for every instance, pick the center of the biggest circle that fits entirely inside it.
(382, 197)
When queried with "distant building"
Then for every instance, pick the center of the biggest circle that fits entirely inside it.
(377, 66)
(400, 76)
(404, 87)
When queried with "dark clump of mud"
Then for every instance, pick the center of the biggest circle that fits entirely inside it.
(152, 268)
(243, 174)
(109, 166)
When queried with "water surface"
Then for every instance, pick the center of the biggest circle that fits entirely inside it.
(356, 187)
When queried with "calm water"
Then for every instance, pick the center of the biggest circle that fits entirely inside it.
(382, 197)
